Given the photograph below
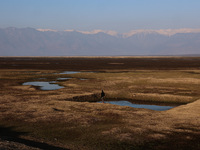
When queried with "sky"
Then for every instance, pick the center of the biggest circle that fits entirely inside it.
(87, 15)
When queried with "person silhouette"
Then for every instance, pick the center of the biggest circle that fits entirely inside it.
(102, 96)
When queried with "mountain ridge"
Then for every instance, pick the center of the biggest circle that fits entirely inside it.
(32, 42)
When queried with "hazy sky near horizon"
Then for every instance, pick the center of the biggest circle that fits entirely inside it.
(87, 15)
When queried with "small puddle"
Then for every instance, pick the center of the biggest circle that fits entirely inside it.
(83, 79)
(152, 107)
(69, 72)
(44, 85)
(74, 72)
(62, 79)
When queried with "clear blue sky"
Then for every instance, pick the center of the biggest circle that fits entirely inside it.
(118, 15)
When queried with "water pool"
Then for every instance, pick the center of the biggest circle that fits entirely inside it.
(146, 106)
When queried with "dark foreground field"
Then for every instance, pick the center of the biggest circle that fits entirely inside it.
(69, 118)
(100, 63)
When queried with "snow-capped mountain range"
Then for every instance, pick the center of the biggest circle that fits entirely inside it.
(48, 42)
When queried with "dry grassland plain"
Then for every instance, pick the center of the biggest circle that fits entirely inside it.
(70, 118)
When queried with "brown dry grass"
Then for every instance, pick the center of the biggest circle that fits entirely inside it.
(50, 117)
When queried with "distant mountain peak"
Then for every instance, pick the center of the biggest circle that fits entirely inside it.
(167, 32)
(46, 30)
(48, 42)
(110, 32)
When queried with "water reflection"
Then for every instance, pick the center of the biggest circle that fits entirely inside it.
(74, 72)
(152, 107)
(44, 85)
(69, 72)
(63, 79)
(83, 79)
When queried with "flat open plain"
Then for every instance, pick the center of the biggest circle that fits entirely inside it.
(70, 118)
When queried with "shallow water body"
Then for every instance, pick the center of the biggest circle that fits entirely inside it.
(146, 106)
(50, 85)
(44, 85)
(74, 72)
(69, 72)
(62, 79)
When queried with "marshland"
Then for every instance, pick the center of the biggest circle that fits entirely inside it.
(70, 117)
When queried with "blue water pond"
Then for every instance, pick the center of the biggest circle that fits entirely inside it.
(44, 85)
(146, 106)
